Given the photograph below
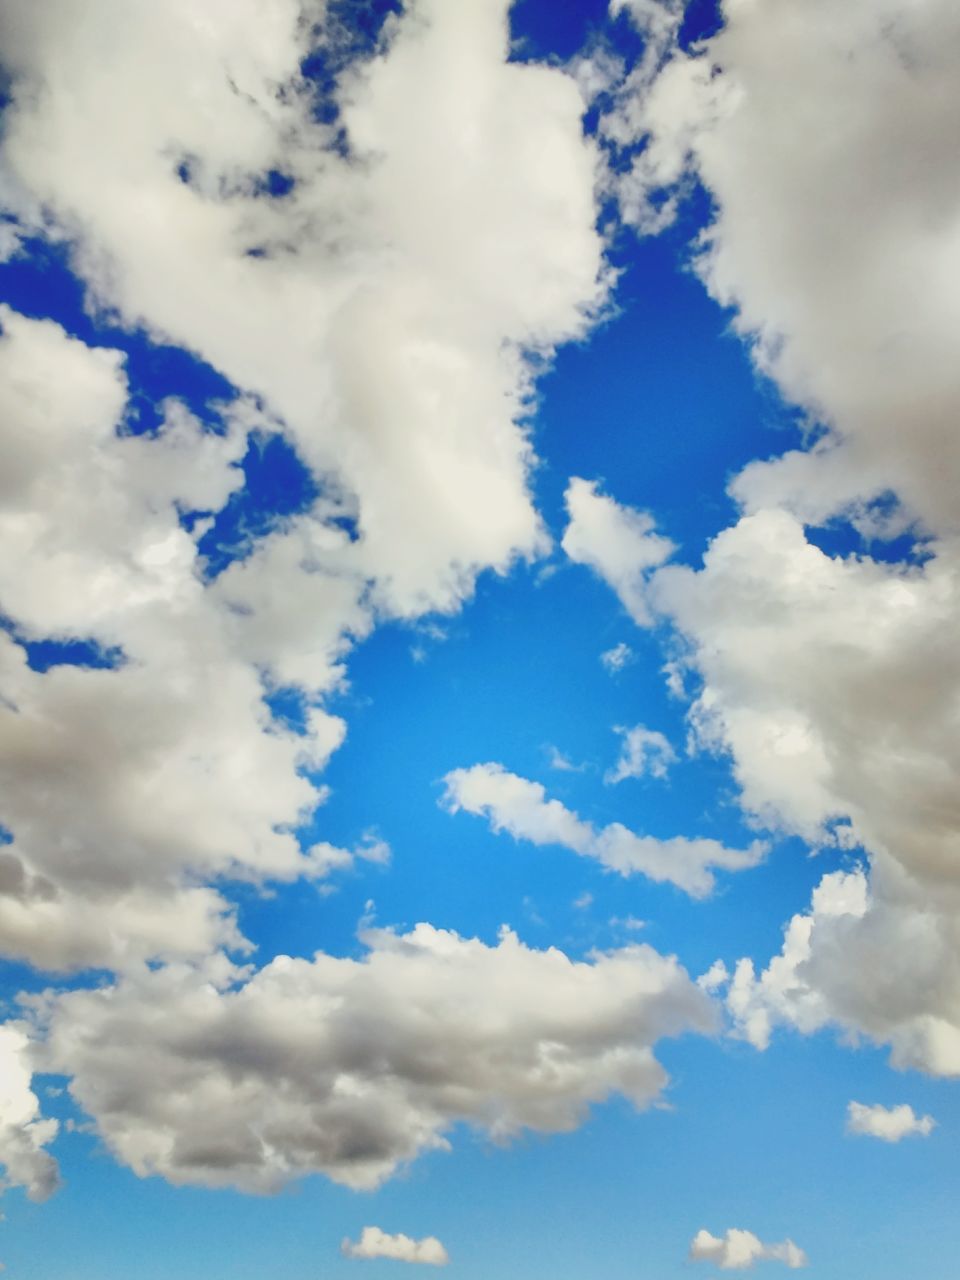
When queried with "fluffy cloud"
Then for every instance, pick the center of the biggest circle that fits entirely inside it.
(517, 805)
(417, 269)
(644, 752)
(349, 1067)
(889, 1124)
(844, 298)
(831, 684)
(380, 313)
(738, 1250)
(618, 543)
(23, 1133)
(123, 782)
(374, 1243)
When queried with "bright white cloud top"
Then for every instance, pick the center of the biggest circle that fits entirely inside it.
(889, 1124)
(598, 340)
(738, 1250)
(374, 1243)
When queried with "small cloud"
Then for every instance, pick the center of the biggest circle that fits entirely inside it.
(374, 1243)
(740, 1250)
(563, 764)
(633, 923)
(615, 659)
(716, 976)
(889, 1124)
(673, 673)
(644, 752)
(583, 902)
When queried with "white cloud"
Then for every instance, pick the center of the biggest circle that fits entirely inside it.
(521, 807)
(831, 684)
(23, 1132)
(349, 1067)
(847, 299)
(382, 324)
(615, 659)
(618, 543)
(395, 290)
(739, 1250)
(645, 752)
(374, 1243)
(889, 1124)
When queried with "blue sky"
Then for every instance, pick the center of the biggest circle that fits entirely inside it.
(407, 411)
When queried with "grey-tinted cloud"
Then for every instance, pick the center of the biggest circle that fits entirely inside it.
(351, 1067)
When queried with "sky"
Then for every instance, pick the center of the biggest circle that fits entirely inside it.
(479, 686)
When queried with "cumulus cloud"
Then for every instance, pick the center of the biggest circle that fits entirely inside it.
(739, 1250)
(845, 304)
(519, 806)
(374, 1243)
(379, 314)
(619, 544)
(129, 777)
(417, 269)
(645, 752)
(348, 1067)
(889, 1124)
(24, 1134)
(830, 684)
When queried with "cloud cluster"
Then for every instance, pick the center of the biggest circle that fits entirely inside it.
(519, 806)
(831, 683)
(738, 1250)
(889, 1124)
(156, 766)
(375, 1243)
(349, 1067)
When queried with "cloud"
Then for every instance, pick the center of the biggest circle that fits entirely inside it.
(383, 306)
(616, 542)
(830, 685)
(374, 1243)
(380, 315)
(521, 807)
(889, 1124)
(644, 752)
(740, 1250)
(209, 1076)
(615, 659)
(23, 1133)
(844, 304)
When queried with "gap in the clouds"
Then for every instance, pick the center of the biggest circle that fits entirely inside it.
(289, 707)
(701, 20)
(39, 283)
(277, 485)
(840, 540)
(351, 31)
(543, 29)
(662, 402)
(63, 652)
